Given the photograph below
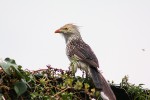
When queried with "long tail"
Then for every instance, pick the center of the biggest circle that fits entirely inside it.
(101, 84)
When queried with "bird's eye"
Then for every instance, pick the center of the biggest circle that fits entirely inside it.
(65, 28)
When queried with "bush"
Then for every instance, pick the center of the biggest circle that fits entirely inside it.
(56, 84)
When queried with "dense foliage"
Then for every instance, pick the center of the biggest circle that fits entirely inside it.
(55, 84)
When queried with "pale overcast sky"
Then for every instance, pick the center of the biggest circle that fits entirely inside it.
(118, 31)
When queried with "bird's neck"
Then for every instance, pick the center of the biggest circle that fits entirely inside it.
(73, 37)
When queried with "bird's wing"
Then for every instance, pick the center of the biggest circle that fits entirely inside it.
(83, 52)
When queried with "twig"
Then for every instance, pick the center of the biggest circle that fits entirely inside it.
(61, 91)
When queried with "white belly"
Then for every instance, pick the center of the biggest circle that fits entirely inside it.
(78, 64)
(83, 66)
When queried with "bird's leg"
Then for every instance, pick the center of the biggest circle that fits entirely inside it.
(72, 72)
(86, 75)
(83, 73)
(73, 67)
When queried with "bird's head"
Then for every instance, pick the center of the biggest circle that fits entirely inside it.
(68, 29)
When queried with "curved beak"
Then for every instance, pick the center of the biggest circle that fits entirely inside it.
(58, 31)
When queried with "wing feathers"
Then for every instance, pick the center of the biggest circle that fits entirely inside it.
(83, 51)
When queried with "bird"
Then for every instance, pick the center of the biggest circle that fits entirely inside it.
(82, 56)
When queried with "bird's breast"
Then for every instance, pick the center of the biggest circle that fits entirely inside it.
(71, 53)
(83, 66)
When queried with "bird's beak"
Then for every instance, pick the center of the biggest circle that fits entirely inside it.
(58, 31)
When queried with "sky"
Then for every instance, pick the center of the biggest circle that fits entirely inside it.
(118, 31)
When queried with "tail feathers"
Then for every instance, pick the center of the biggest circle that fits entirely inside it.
(104, 96)
(101, 84)
(96, 78)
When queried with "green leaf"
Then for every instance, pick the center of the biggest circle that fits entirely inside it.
(7, 59)
(20, 88)
(69, 82)
(24, 81)
(12, 61)
(78, 85)
(9, 66)
(86, 86)
(15, 68)
(6, 67)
